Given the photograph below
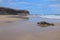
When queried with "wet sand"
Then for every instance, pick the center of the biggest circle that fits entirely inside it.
(28, 30)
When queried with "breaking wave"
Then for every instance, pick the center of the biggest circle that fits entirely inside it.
(51, 16)
(46, 16)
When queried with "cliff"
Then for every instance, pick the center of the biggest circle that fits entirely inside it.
(9, 11)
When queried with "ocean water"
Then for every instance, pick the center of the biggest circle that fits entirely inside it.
(51, 16)
(48, 18)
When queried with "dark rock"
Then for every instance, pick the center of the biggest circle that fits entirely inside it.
(9, 11)
(23, 12)
(44, 24)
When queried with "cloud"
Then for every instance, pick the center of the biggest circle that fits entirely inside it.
(20, 3)
(5, 1)
(1, 0)
(51, 0)
(54, 5)
(24, 3)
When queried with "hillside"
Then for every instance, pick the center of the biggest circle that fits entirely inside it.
(10, 11)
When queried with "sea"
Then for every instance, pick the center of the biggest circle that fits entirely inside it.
(48, 18)
(52, 16)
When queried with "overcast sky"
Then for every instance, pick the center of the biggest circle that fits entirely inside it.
(34, 6)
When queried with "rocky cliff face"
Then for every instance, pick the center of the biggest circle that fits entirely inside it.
(23, 12)
(9, 11)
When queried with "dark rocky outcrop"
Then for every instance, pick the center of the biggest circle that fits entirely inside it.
(45, 24)
(9, 11)
(22, 12)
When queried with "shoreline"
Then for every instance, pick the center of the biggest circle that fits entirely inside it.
(27, 30)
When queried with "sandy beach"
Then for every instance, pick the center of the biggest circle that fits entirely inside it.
(18, 29)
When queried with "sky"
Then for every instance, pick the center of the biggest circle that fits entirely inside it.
(34, 6)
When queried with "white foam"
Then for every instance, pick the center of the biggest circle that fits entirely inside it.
(51, 16)
(44, 16)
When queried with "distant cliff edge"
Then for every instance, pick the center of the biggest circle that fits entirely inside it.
(9, 11)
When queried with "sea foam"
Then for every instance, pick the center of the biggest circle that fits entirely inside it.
(50, 16)
(44, 16)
